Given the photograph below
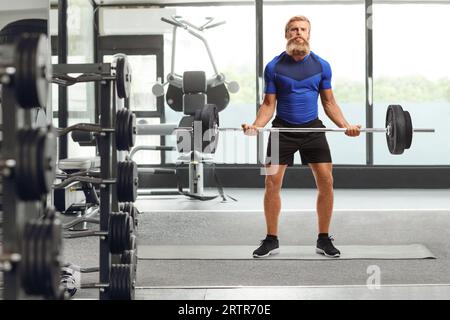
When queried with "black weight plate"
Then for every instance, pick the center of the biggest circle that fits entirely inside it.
(390, 132)
(34, 165)
(27, 256)
(120, 134)
(121, 229)
(130, 280)
(124, 286)
(126, 207)
(47, 253)
(33, 66)
(22, 75)
(131, 130)
(33, 282)
(126, 130)
(123, 77)
(13, 30)
(132, 211)
(129, 257)
(118, 229)
(126, 181)
(30, 282)
(37, 265)
(135, 181)
(114, 234)
(117, 130)
(128, 78)
(121, 282)
(127, 231)
(210, 126)
(43, 72)
(396, 139)
(409, 129)
(46, 156)
(128, 176)
(54, 242)
(125, 257)
(120, 77)
(174, 98)
(218, 96)
(37, 257)
(22, 170)
(133, 242)
(121, 175)
(119, 234)
(134, 214)
(27, 180)
(115, 282)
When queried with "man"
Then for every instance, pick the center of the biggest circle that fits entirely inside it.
(293, 82)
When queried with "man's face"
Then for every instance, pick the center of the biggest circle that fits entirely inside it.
(297, 38)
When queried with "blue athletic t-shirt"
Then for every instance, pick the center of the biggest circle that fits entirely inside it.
(297, 85)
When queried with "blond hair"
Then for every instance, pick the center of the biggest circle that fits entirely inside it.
(296, 18)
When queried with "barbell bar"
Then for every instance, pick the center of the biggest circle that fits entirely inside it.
(385, 130)
(399, 129)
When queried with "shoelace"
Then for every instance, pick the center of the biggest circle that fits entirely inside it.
(262, 241)
(330, 238)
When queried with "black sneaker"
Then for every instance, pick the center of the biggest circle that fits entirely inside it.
(267, 247)
(326, 247)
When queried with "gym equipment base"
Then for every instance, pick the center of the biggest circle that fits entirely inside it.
(241, 252)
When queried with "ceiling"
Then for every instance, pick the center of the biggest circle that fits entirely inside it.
(172, 2)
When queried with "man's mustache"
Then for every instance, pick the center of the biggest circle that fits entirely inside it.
(290, 40)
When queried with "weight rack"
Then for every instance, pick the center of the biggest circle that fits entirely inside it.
(24, 69)
(107, 150)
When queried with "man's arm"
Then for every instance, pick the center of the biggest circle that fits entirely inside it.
(266, 110)
(265, 113)
(334, 112)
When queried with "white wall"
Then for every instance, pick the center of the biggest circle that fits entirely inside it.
(23, 9)
(115, 21)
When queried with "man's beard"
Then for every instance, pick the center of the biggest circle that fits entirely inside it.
(294, 48)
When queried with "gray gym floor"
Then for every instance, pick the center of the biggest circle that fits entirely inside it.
(362, 217)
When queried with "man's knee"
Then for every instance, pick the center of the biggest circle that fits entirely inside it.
(325, 182)
(273, 184)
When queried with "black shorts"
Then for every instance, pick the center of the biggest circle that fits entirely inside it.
(313, 146)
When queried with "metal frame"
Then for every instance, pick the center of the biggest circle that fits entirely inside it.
(107, 153)
(139, 45)
(369, 81)
(63, 101)
(59, 47)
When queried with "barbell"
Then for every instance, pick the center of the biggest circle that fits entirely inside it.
(399, 129)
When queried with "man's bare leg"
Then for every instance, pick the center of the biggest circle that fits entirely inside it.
(272, 198)
(323, 174)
